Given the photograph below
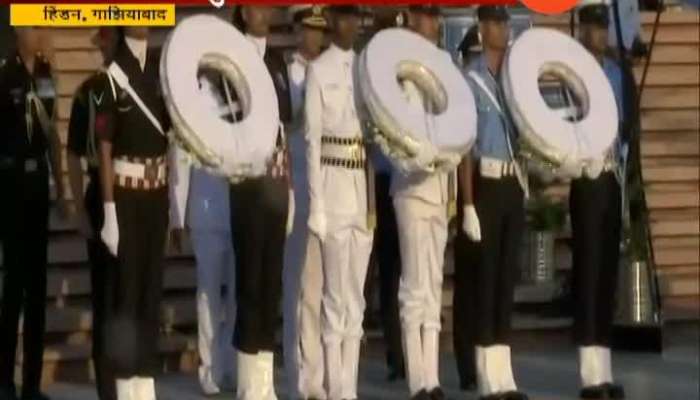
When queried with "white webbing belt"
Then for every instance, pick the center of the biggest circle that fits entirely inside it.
(115, 72)
(136, 170)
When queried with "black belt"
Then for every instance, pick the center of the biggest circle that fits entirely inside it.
(341, 141)
(343, 163)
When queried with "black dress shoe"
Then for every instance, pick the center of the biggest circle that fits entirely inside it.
(599, 392)
(515, 395)
(468, 385)
(616, 392)
(8, 393)
(422, 395)
(437, 394)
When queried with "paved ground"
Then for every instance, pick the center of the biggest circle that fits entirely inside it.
(545, 366)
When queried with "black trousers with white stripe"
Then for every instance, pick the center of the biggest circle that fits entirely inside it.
(496, 259)
(595, 207)
(258, 222)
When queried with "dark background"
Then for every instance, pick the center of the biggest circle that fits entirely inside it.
(6, 42)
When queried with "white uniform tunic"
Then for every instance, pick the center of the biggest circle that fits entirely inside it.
(338, 195)
(302, 274)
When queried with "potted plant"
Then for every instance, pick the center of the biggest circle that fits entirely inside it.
(545, 217)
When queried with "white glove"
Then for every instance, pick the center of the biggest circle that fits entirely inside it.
(594, 168)
(570, 169)
(110, 229)
(317, 224)
(470, 223)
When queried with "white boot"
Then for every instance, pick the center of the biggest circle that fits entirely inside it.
(413, 360)
(606, 363)
(431, 358)
(266, 368)
(507, 381)
(351, 361)
(125, 389)
(334, 370)
(595, 365)
(144, 388)
(489, 368)
(590, 366)
(249, 383)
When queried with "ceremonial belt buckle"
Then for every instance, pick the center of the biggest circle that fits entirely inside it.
(30, 165)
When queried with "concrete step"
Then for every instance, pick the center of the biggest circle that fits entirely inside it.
(72, 362)
(176, 311)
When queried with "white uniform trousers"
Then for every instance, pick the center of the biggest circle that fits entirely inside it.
(302, 280)
(216, 315)
(303, 284)
(422, 239)
(345, 252)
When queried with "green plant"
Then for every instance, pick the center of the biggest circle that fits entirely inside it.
(545, 214)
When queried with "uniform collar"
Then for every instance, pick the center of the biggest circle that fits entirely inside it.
(343, 56)
(138, 48)
(260, 43)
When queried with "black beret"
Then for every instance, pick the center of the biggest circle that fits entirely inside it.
(493, 13)
(594, 14)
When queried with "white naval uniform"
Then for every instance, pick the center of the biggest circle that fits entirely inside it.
(202, 203)
(338, 196)
(421, 202)
(302, 275)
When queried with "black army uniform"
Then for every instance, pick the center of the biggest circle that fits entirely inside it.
(135, 283)
(83, 142)
(259, 219)
(26, 105)
(259, 207)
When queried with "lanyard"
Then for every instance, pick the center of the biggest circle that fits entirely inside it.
(522, 178)
(115, 72)
(480, 82)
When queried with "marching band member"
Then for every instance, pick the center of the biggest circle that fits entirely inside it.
(421, 192)
(464, 279)
(83, 144)
(595, 206)
(259, 208)
(338, 199)
(302, 276)
(27, 136)
(201, 203)
(493, 190)
(131, 123)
